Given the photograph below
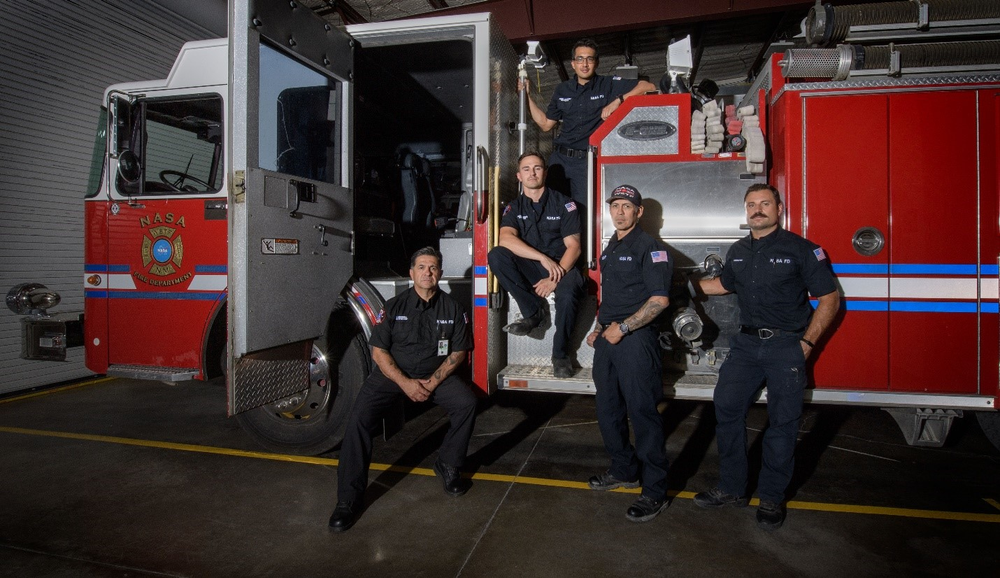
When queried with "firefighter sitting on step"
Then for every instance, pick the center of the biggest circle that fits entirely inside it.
(536, 255)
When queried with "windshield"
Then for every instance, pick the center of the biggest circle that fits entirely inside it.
(179, 144)
(97, 158)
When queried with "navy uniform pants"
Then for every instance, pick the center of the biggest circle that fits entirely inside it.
(629, 386)
(572, 181)
(518, 277)
(378, 394)
(753, 361)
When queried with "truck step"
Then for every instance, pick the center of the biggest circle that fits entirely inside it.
(540, 378)
(153, 373)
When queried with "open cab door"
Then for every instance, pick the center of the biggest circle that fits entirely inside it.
(290, 224)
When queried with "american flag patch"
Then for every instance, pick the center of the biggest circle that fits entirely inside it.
(659, 256)
(571, 206)
(820, 255)
(506, 210)
(380, 316)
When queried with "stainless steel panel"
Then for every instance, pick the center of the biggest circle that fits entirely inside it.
(700, 199)
(456, 256)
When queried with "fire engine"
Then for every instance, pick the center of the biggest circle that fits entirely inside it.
(258, 206)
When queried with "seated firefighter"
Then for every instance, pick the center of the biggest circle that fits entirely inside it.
(422, 337)
(536, 255)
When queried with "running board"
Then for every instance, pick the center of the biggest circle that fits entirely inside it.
(152, 373)
(540, 378)
(700, 387)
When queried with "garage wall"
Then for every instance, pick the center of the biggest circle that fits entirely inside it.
(57, 59)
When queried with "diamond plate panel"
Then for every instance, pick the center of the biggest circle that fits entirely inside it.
(535, 349)
(263, 381)
(615, 145)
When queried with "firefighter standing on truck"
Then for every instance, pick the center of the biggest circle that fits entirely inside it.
(770, 271)
(635, 289)
(581, 104)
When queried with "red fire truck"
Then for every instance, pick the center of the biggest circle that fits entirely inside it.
(258, 206)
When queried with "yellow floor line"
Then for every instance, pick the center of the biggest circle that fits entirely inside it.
(57, 389)
(485, 477)
(992, 502)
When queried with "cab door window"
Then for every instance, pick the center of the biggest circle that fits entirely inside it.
(179, 146)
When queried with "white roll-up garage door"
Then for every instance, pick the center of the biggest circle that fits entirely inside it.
(57, 59)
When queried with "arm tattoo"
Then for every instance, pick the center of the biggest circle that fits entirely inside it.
(646, 314)
(449, 365)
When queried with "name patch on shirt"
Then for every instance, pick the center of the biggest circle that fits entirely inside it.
(563, 99)
(446, 321)
(598, 97)
(625, 258)
(781, 261)
(402, 318)
(659, 256)
(552, 217)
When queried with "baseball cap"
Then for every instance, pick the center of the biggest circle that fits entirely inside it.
(627, 192)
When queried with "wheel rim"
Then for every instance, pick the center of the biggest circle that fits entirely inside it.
(311, 402)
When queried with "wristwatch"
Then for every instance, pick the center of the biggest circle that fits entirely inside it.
(623, 327)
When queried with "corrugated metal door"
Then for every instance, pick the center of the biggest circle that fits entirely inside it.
(58, 59)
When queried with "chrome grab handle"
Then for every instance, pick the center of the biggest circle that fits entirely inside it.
(482, 162)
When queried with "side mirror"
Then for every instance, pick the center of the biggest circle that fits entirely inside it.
(129, 168)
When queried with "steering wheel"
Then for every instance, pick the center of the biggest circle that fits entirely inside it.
(178, 183)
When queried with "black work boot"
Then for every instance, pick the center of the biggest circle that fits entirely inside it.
(451, 479)
(525, 325)
(606, 481)
(562, 367)
(344, 515)
(770, 515)
(645, 509)
(716, 498)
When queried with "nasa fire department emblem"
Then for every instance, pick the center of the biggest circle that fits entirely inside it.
(162, 249)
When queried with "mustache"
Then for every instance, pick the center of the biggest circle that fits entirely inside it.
(754, 216)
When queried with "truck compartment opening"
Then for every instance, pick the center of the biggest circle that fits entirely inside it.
(414, 111)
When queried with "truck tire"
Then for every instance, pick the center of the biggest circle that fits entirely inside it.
(313, 421)
(989, 422)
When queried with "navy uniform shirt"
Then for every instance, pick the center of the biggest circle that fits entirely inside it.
(632, 270)
(411, 328)
(543, 224)
(579, 107)
(771, 277)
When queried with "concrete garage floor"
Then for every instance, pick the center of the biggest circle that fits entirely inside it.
(114, 477)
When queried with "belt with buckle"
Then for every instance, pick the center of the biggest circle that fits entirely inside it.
(572, 153)
(765, 333)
